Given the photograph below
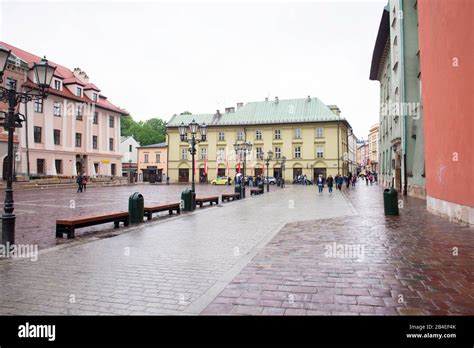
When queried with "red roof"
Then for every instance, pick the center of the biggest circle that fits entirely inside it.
(62, 73)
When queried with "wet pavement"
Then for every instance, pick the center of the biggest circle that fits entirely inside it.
(38, 209)
(412, 264)
(171, 266)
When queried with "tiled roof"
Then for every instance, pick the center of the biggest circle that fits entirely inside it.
(266, 112)
(154, 145)
(66, 75)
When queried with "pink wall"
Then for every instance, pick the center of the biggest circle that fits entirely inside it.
(446, 38)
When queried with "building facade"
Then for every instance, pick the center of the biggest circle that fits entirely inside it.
(310, 135)
(395, 64)
(447, 59)
(153, 162)
(352, 145)
(362, 156)
(373, 147)
(129, 150)
(75, 130)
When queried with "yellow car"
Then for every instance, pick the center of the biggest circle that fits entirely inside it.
(222, 180)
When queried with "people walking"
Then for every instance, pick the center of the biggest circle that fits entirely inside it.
(84, 183)
(320, 182)
(353, 180)
(79, 183)
(330, 182)
(339, 181)
(371, 179)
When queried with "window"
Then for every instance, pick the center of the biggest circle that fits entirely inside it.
(221, 136)
(113, 168)
(259, 153)
(39, 105)
(57, 136)
(96, 167)
(95, 119)
(94, 142)
(158, 158)
(40, 165)
(58, 164)
(277, 152)
(57, 85)
(240, 135)
(184, 154)
(78, 139)
(319, 151)
(79, 112)
(277, 134)
(57, 109)
(298, 152)
(111, 121)
(37, 134)
(130, 148)
(319, 132)
(11, 83)
(79, 91)
(145, 158)
(94, 97)
(221, 154)
(258, 134)
(111, 144)
(203, 154)
(297, 133)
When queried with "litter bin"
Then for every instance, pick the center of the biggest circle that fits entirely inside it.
(390, 201)
(188, 200)
(135, 208)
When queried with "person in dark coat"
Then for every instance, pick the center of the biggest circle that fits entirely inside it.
(79, 183)
(330, 183)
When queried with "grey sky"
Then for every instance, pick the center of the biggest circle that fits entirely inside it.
(159, 58)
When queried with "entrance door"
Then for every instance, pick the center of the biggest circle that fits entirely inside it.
(79, 167)
(159, 175)
(297, 172)
(221, 172)
(318, 171)
(277, 172)
(258, 171)
(183, 175)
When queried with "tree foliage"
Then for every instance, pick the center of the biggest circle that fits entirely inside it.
(147, 132)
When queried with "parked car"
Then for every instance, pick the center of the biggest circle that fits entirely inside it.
(271, 179)
(222, 180)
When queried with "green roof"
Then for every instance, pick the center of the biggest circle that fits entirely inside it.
(266, 112)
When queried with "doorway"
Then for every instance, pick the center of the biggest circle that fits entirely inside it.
(318, 171)
(183, 175)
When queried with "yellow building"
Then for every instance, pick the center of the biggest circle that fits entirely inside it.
(311, 135)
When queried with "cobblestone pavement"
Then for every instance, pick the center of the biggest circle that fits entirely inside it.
(37, 210)
(171, 266)
(409, 266)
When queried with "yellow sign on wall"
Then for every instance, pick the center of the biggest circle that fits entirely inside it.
(105, 161)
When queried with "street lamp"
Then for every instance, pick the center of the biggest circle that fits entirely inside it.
(283, 161)
(193, 127)
(267, 162)
(241, 149)
(10, 120)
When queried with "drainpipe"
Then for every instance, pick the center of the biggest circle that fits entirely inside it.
(403, 97)
(27, 142)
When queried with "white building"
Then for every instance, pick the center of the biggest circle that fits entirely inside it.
(129, 150)
(352, 146)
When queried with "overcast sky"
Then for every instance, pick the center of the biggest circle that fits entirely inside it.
(159, 58)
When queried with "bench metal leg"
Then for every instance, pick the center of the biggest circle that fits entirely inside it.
(126, 222)
(117, 224)
(70, 233)
(178, 210)
(170, 211)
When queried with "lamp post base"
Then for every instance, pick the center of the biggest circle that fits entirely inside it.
(8, 229)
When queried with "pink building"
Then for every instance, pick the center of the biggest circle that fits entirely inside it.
(75, 130)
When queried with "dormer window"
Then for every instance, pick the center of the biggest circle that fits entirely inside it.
(94, 97)
(79, 91)
(57, 85)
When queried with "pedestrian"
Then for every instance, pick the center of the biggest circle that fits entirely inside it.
(366, 179)
(339, 181)
(304, 180)
(330, 183)
(320, 182)
(348, 182)
(353, 180)
(84, 183)
(371, 179)
(79, 183)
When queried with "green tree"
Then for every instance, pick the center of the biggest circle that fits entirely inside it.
(152, 131)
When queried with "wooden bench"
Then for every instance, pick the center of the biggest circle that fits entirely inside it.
(69, 225)
(256, 191)
(211, 199)
(163, 207)
(230, 196)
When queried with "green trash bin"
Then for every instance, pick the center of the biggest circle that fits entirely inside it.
(136, 208)
(390, 201)
(188, 200)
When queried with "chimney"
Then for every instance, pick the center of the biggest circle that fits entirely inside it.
(309, 99)
(218, 113)
(266, 99)
(229, 110)
(239, 105)
(335, 109)
(276, 100)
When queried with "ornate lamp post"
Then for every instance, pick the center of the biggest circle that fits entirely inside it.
(11, 120)
(193, 128)
(241, 150)
(283, 161)
(267, 162)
